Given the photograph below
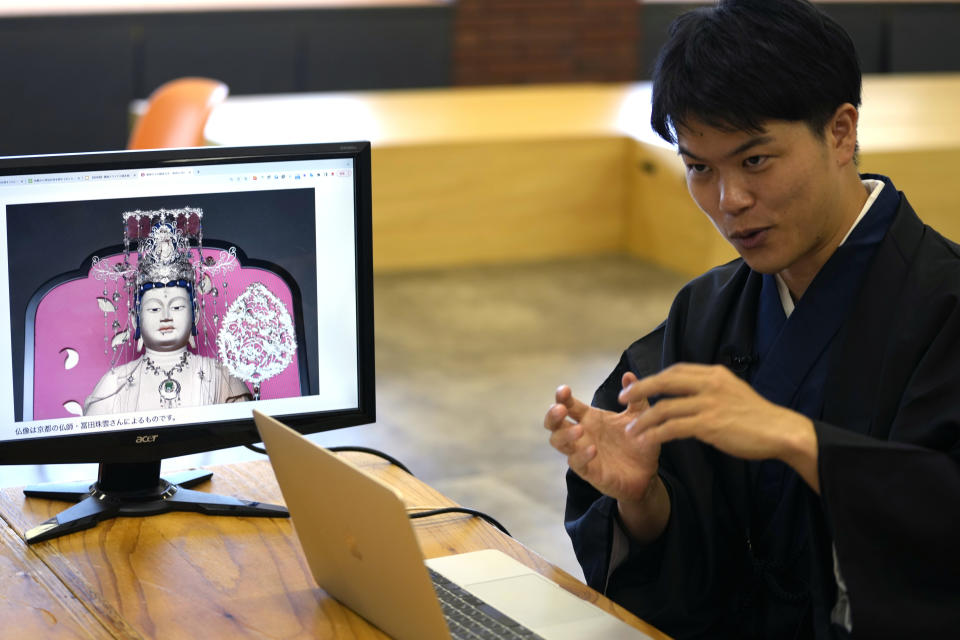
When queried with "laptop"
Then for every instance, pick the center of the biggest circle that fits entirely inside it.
(361, 547)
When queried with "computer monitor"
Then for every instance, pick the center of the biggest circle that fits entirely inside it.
(149, 300)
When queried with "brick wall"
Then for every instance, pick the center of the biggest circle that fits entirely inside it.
(521, 41)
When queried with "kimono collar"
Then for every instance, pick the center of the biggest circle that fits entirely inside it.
(789, 350)
(875, 186)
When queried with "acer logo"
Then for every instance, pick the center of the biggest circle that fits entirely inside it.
(145, 439)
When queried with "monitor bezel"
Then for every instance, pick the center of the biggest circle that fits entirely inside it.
(137, 444)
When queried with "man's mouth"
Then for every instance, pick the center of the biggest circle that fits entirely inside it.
(749, 238)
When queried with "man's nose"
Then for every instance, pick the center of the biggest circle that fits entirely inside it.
(735, 197)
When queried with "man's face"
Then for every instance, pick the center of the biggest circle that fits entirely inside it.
(165, 318)
(775, 195)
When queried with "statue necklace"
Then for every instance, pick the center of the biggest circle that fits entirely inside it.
(169, 388)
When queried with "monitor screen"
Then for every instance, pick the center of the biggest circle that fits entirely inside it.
(150, 300)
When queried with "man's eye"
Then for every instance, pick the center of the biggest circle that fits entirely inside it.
(755, 161)
(695, 167)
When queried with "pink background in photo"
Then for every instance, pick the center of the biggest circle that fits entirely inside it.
(69, 316)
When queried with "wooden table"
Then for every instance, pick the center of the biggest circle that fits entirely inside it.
(185, 575)
(519, 173)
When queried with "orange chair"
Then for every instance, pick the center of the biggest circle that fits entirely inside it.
(176, 114)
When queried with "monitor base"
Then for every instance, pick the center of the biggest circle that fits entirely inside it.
(131, 490)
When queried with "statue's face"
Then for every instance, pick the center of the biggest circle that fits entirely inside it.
(165, 317)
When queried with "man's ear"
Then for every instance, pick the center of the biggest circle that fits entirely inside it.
(841, 133)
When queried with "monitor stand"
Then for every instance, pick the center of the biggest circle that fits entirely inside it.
(136, 489)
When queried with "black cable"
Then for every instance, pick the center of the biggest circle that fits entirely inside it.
(472, 512)
(397, 463)
(375, 452)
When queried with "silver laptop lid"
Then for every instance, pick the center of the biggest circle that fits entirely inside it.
(355, 534)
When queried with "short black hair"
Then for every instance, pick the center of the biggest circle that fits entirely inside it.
(742, 62)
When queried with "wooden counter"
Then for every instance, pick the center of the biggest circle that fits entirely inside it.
(184, 575)
(521, 173)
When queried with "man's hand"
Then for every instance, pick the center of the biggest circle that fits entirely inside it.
(600, 450)
(597, 446)
(713, 405)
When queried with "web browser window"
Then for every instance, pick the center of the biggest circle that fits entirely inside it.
(261, 258)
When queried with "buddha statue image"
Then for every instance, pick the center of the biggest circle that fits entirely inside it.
(167, 371)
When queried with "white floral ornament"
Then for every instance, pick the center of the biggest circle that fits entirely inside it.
(257, 341)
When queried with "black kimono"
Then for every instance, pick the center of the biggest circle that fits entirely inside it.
(872, 355)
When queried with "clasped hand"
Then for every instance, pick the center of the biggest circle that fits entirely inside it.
(618, 453)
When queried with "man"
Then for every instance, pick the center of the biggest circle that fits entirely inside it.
(780, 458)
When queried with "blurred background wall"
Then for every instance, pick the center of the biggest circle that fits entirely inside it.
(69, 75)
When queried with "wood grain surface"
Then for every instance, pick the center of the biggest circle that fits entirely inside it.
(184, 575)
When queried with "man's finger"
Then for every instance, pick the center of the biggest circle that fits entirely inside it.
(673, 381)
(579, 460)
(575, 408)
(665, 410)
(556, 417)
(673, 429)
(565, 440)
(635, 405)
